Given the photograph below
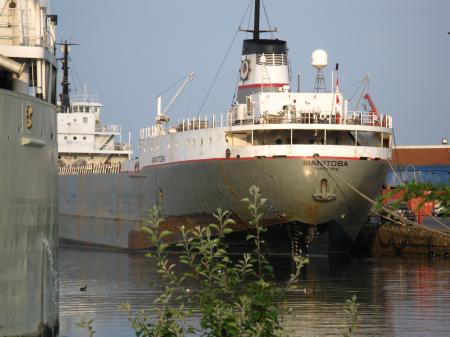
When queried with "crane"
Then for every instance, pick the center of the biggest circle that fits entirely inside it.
(161, 116)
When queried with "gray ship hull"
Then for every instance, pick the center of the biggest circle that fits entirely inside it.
(108, 210)
(28, 218)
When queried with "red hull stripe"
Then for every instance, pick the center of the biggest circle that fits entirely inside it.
(249, 158)
(264, 85)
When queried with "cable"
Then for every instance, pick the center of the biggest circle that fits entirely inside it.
(373, 202)
(396, 153)
(440, 222)
(365, 81)
(351, 85)
(172, 86)
(268, 21)
(249, 18)
(222, 63)
(356, 91)
(218, 105)
(236, 90)
(395, 172)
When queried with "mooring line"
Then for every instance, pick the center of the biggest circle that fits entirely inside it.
(373, 202)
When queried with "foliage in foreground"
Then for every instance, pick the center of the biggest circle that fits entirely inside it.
(437, 193)
(235, 298)
(86, 323)
(351, 310)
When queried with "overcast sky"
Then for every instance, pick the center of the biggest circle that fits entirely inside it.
(130, 51)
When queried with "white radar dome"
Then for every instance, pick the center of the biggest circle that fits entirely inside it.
(319, 59)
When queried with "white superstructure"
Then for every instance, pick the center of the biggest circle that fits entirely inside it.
(83, 139)
(272, 123)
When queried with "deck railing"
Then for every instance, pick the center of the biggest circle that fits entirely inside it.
(306, 118)
(85, 98)
(84, 169)
(19, 28)
(116, 129)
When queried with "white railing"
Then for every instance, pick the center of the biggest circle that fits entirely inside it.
(362, 118)
(23, 32)
(108, 128)
(81, 98)
(85, 169)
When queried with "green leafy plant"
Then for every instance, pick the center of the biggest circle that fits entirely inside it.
(437, 193)
(86, 323)
(170, 320)
(236, 297)
(351, 309)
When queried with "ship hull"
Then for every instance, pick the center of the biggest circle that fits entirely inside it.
(28, 217)
(108, 210)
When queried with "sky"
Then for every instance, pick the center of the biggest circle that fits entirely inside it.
(131, 51)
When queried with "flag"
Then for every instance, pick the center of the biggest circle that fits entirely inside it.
(337, 90)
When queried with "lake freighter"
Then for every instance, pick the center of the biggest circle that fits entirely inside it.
(293, 145)
(28, 170)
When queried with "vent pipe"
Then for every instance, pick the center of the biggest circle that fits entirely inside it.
(11, 65)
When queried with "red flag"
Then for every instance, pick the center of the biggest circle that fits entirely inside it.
(337, 90)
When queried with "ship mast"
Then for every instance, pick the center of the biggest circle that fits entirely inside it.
(256, 24)
(64, 96)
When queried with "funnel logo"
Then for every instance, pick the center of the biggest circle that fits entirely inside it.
(245, 69)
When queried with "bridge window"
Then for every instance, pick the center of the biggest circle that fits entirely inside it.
(308, 137)
(272, 137)
(386, 140)
(242, 138)
(369, 138)
(335, 137)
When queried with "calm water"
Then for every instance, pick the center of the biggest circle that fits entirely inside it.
(398, 297)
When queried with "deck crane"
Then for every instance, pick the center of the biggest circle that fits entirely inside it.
(373, 108)
(161, 116)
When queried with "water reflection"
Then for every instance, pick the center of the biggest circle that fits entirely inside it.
(398, 297)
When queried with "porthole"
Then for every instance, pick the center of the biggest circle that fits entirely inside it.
(84, 137)
(74, 138)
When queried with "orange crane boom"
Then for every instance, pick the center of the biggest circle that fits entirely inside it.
(373, 108)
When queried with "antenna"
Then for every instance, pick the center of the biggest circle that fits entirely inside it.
(319, 60)
(64, 96)
(256, 25)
